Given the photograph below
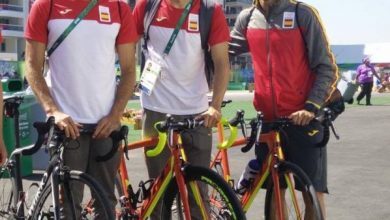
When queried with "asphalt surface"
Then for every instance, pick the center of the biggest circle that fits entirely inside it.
(358, 165)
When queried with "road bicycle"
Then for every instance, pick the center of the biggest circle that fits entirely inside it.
(276, 174)
(54, 188)
(185, 190)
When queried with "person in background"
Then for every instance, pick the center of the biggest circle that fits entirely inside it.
(365, 77)
(3, 150)
(294, 74)
(385, 83)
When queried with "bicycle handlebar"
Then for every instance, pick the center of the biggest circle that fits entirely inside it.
(252, 138)
(188, 123)
(42, 128)
(164, 127)
(257, 125)
(225, 102)
(116, 137)
(232, 124)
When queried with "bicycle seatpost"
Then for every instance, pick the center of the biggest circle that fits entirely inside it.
(11, 109)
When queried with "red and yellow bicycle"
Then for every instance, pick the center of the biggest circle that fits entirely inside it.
(185, 190)
(289, 192)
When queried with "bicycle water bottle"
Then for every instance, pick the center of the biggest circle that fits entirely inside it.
(247, 176)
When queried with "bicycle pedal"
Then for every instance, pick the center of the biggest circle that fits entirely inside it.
(124, 201)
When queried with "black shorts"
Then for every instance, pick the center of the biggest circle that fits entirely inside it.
(300, 146)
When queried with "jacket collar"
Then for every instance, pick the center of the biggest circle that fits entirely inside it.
(279, 7)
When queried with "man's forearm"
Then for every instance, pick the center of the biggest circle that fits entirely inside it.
(35, 57)
(124, 91)
(126, 54)
(220, 81)
(41, 91)
(219, 53)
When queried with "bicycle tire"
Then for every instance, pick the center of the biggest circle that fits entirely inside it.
(6, 194)
(303, 185)
(44, 209)
(224, 204)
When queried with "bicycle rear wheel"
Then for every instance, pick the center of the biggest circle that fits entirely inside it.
(218, 198)
(299, 195)
(6, 195)
(95, 208)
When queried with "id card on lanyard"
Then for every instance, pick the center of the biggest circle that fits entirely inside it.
(149, 76)
(152, 69)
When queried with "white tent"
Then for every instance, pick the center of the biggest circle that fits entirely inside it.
(379, 53)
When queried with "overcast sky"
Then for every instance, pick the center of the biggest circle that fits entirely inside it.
(355, 21)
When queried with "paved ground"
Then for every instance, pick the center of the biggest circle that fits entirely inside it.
(358, 165)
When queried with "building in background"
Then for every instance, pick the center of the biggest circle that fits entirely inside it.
(13, 17)
(14, 13)
(241, 66)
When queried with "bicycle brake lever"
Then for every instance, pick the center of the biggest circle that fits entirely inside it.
(125, 148)
(334, 130)
(243, 128)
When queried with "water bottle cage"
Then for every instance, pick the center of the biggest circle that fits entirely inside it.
(145, 188)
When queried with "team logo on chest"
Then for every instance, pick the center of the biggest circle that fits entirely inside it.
(193, 22)
(288, 20)
(104, 14)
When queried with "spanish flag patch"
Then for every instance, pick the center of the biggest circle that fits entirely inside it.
(193, 22)
(104, 14)
(288, 20)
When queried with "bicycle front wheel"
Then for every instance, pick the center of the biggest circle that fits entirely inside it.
(6, 195)
(215, 201)
(299, 200)
(81, 197)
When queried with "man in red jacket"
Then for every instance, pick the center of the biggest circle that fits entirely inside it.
(295, 74)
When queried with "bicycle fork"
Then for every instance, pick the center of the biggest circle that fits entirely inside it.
(279, 196)
(277, 155)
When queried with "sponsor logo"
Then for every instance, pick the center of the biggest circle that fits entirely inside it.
(159, 19)
(65, 11)
(313, 132)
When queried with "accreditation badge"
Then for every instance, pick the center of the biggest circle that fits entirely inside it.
(150, 73)
(288, 20)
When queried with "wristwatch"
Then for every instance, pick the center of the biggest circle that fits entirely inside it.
(311, 108)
